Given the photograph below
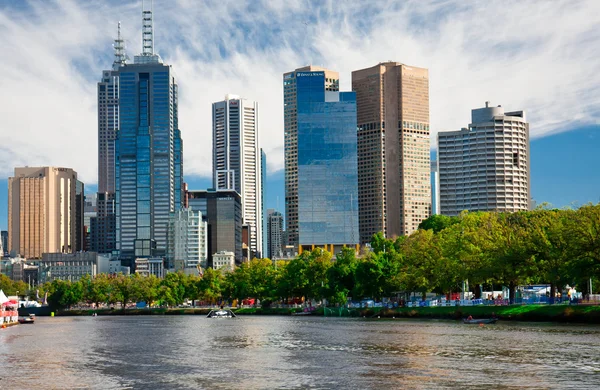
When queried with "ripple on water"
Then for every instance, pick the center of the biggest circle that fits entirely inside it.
(296, 353)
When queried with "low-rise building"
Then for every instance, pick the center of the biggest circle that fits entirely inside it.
(66, 266)
(147, 266)
(111, 265)
(224, 260)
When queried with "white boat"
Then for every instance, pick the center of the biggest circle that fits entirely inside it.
(221, 314)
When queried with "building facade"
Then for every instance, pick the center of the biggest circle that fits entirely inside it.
(188, 239)
(102, 226)
(275, 233)
(263, 199)
(485, 167)
(66, 266)
(393, 148)
(435, 188)
(148, 158)
(327, 189)
(4, 238)
(290, 119)
(146, 266)
(43, 214)
(223, 210)
(237, 160)
(224, 260)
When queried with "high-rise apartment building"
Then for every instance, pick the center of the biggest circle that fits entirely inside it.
(275, 233)
(393, 148)
(188, 239)
(42, 211)
(321, 171)
(237, 160)
(485, 167)
(148, 157)
(290, 120)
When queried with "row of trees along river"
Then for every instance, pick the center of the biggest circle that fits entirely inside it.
(557, 247)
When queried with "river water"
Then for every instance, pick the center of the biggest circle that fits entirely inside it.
(258, 352)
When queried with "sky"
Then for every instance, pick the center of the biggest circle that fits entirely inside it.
(537, 56)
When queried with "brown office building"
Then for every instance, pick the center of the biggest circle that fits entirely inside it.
(394, 189)
(43, 211)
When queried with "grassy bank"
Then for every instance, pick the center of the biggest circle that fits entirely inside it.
(550, 313)
(174, 311)
(545, 313)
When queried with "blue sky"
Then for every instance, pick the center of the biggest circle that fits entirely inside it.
(544, 61)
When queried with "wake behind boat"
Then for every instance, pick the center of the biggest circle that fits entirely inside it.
(221, 314)
(480, 321)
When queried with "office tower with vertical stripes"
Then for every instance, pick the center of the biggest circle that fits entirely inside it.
(237, 160)
(148, 157)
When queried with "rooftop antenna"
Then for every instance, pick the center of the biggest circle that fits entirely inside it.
(147, 32)
(120, 56)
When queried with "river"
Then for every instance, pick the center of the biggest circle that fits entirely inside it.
(254, 352)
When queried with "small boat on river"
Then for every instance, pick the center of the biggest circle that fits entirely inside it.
(221, 314)
(480, 321)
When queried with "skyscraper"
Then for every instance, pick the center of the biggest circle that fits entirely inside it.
(435, 188)
(485, 167)
(275, 233)
(102, 226)
(321, 171)
(290, 120)
(148, 162)
(263, 195)
(42, 211)
(393, 148)
(237, 160)
(223, 211)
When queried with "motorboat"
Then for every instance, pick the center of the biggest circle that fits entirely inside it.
(480, 321)
(27, 320)
(221, 314)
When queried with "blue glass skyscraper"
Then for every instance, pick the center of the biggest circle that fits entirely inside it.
(148, 157)
(327, 163)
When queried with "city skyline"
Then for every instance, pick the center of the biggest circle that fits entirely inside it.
(90, 51)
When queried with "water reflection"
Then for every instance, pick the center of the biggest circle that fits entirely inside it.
(295, 353)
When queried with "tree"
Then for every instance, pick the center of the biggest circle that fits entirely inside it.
(341, 276)
(510, 249)
(174, 284)
(438, 222)
(209, 286)
(64, 294)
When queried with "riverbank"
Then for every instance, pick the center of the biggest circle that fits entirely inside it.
(172, 311)
(536, 313)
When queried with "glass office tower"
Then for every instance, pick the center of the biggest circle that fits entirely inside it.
(149, 173)
(327, 163)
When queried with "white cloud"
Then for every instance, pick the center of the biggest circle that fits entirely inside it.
(535, 55)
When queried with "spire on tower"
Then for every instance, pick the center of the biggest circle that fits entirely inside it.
(120, 56)
(147, 32)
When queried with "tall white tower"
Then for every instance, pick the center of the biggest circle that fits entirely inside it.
(236, 160)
